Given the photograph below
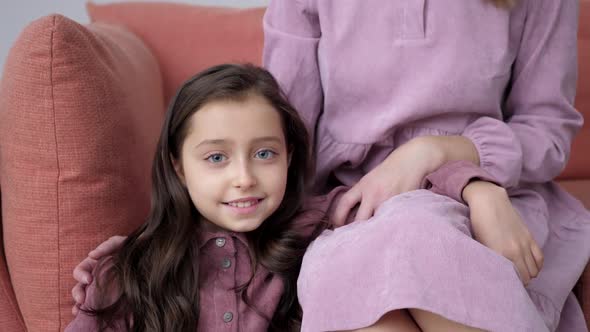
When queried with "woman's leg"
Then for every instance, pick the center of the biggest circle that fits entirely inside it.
(401, 321)
(415, 252)
(431, 322)
(397, 320)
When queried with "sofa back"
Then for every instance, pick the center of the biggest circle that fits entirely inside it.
(238, 37)
(579, 164)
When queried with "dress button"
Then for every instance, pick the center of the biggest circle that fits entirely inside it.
(227, 317)
(220, 242)
(226, 263)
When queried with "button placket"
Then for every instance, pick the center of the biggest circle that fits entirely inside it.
(223, 255)
(414, 19)
(220, 242)
(226, 263)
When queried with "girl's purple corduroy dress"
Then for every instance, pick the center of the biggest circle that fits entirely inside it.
(369, 76)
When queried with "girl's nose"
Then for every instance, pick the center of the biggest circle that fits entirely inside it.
(244, 177)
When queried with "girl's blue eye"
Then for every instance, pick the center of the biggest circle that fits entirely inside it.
(265, 154)
(216, 158)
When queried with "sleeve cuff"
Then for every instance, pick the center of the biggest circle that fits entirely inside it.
(450, 179)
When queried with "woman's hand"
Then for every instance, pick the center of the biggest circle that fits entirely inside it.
(83, 271)
(498, 226)
(402, 171)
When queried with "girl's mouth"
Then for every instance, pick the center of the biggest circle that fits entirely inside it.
(244, 206)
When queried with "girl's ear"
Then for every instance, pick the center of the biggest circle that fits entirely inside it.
(289, 158)
(178, 169)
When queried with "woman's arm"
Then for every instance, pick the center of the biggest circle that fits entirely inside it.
(494, 221)
(291, 37)
(539, 107)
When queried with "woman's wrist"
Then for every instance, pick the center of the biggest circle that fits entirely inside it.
(433, 151)
(454, 148)
(436, 151)
(479, 189)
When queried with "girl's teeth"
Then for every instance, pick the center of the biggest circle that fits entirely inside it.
(242, 204)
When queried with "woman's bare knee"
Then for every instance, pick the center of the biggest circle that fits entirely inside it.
(393, 321)
(431, 322)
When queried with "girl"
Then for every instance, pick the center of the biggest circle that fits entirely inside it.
(228, 180)
(383, 83)
(223, 243)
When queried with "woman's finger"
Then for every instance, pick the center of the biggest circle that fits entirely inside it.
(108, 247)
(345, 205)
(530, 263)
(366, 210)
(83, 271)
(538, 255)
(79, 293)
(523, 272)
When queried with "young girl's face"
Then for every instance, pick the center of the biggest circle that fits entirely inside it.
(234, 163)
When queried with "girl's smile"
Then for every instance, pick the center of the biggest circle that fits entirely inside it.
(244, 206)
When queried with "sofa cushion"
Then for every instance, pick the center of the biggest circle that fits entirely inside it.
(579, 163)
(10, 317)
(581, 190)
(188, 38)
(80, 111)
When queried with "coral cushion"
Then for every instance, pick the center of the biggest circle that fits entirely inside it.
(579, 164)
(80, 111)
(10, 317)
(187, 38)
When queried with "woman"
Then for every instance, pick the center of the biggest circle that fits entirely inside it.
(393, 90)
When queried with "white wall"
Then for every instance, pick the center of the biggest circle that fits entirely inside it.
(15, 15)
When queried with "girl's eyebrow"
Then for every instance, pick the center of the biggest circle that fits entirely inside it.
(268, 139)
(211, 142)
(274, 139)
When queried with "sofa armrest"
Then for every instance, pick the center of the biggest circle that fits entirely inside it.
(81, 107)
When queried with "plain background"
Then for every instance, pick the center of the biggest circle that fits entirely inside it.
(15, 15)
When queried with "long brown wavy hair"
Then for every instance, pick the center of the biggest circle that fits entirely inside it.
(156, 272)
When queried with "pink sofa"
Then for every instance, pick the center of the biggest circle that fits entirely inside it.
(80, 110)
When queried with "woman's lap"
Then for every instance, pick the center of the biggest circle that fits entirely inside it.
(417, 251)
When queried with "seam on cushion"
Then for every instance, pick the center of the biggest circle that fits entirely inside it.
(58, 170)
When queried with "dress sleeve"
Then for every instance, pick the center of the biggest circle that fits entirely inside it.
(539, 106)
(319, 210)
(291, 37)
(499, 153)
(450, 179)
